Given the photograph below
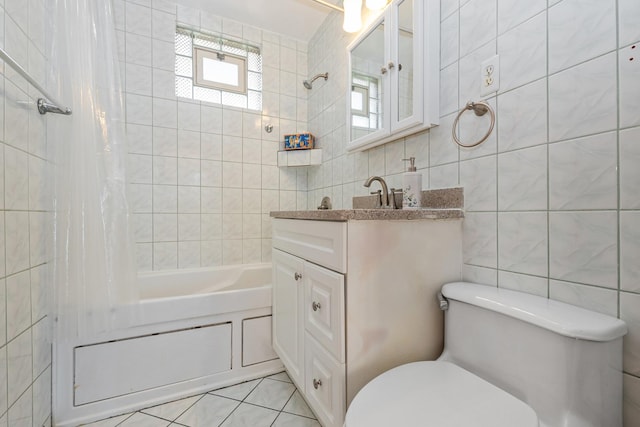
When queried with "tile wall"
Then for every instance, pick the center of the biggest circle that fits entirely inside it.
(25, 351)
(204, 176)
(552, 202)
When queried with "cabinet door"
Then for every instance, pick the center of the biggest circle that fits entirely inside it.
(325, 384)
(367, 102)
(406, 72)
(324, 308)
(288, 321)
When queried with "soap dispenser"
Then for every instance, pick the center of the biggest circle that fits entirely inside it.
(411, 186)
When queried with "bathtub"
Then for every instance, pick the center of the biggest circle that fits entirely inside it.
(192, 331)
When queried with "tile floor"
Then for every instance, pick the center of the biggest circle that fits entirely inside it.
(272, 401)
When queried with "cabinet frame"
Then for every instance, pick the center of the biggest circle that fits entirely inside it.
(426, 79)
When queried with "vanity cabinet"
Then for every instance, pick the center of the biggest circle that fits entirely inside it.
(352, 299)
(309, 297)
(394, 73)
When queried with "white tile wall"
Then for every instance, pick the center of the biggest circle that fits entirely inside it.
(203, 176)
(25, 356)
(551, 198)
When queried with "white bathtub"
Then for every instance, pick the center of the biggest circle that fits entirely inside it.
(194, 330)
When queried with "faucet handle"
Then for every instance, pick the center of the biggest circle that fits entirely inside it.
(393, 197)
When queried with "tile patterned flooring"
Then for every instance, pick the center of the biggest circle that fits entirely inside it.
(272, 401)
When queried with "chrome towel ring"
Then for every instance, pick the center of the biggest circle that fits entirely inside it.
(480, 108)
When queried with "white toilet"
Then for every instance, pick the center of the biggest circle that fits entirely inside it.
(510, 360)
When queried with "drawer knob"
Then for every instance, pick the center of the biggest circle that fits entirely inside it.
(316, 306)
(316, 383)
(297, 276)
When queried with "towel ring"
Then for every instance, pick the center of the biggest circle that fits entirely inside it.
(480, 108)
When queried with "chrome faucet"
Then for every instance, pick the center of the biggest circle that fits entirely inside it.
(385, 191)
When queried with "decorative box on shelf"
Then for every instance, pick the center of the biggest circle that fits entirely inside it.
(299, 157)
(298, 141)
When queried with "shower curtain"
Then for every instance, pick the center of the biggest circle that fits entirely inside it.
(92, 267)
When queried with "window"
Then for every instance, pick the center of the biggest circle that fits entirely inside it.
(222, 71)
(365, 102)
(360, 100)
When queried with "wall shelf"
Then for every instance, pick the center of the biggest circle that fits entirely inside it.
(291, 158)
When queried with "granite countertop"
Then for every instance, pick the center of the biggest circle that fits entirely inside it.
(370, 214)
(446, 203)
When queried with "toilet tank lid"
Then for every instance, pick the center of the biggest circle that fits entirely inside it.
(556, 316)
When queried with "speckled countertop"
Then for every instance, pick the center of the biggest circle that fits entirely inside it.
(437, 204)
(370, 214)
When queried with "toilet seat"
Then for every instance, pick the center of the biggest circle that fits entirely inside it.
(438, 394)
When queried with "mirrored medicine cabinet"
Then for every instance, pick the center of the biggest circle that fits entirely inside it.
(393, 76)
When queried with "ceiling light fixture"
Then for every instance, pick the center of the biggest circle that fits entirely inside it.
(352, 16)
(352, 13)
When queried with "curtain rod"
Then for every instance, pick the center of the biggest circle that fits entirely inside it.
(332, 6)
(48, 104)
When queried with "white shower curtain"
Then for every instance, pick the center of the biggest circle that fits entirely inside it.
(92, 267)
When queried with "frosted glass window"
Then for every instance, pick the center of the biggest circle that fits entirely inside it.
(218, 70)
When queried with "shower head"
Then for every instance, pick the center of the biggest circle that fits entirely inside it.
(309, 84)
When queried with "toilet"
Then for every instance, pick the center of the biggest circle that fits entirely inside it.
(510, 359)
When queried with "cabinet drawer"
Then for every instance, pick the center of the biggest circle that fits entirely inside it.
(321, 242)
(325, 384)
(324, 308)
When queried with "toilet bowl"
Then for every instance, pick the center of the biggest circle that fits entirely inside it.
(510, 360)
(415, 393)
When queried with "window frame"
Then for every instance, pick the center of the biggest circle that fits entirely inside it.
(364, 92)
(200, 53)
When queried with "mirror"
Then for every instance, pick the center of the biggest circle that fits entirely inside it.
(366, 84)
(405, 60)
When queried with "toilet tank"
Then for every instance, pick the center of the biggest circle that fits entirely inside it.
(564, 361)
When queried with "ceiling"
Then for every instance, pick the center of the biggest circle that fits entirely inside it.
(298, 19)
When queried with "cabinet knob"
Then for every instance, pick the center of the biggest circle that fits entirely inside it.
(297, 276)
(316, 306)
(391, 65)
(316, 383)
(383, 70)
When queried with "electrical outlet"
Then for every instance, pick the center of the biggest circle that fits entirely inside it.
(490, 75)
